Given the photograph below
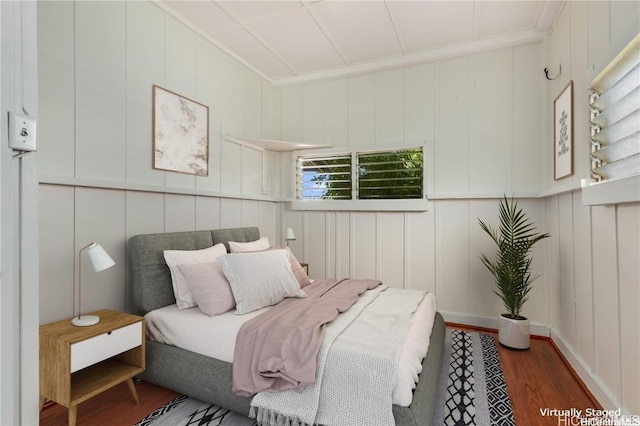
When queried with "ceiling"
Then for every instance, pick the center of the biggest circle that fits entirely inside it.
(292, 41)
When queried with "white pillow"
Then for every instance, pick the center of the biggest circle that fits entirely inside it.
(260, 279)
(296, 267)
(184, 297)
(209, 286)
(257, 245)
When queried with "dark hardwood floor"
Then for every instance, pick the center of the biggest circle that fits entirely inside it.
(540, 378)
(537, 379)
(114, 407)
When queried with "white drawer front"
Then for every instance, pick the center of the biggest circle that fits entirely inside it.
(96, 349)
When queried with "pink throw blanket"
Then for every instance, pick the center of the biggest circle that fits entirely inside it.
(278, 349)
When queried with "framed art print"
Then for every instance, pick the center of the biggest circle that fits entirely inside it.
(563, 133)
(180, 133)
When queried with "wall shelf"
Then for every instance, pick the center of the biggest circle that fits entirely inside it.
(272, 144)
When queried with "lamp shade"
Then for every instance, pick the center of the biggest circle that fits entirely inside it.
(100, 259)
(289, 235)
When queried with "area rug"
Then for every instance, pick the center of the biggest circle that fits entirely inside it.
(475, 392)
(184, 411)
(472, 391)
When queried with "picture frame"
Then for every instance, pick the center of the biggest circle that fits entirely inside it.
(563, 133)
(180, 133)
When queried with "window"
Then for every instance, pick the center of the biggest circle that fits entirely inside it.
(615, 117)
(324, 177)
(368, 175)
(390, 175)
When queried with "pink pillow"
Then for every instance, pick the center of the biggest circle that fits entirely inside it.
(209, 286)
(298, 270)
(184, 297)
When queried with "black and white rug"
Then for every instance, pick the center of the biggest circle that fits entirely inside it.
(184, 411)
(472, 391)
(475, 392)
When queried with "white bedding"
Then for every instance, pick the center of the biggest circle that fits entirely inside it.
(215, 337)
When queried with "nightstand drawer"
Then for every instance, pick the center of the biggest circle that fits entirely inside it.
(98, 348)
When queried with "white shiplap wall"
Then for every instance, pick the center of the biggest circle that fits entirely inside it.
(595, 294)
(98, 62)
(437, 250)
(479, 114)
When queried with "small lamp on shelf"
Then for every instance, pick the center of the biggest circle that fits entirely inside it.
(100, 260)
(289, 236)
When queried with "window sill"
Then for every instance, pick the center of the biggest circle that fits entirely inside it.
(362, 205)
(625, 190)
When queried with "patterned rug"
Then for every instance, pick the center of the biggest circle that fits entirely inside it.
(184, 411)
(475, 391)
(472, 391)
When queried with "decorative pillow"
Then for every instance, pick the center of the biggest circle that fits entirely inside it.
(298, 270)
(257, 245)
(260, 279)
(296, 267)
(209, 286)
(184, 297)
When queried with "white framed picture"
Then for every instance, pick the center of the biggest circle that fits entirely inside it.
(180, 133)
(563, 133)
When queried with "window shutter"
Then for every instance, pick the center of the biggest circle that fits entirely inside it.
(390, 175)
(615, 117)
(372, 175)
(324, 177)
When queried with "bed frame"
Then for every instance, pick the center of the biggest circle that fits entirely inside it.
(209, 379)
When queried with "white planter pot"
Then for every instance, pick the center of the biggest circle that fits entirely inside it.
(514, 333)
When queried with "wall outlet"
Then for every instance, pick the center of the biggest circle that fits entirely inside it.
(22, 132)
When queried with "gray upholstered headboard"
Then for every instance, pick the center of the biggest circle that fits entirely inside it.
(151, 277)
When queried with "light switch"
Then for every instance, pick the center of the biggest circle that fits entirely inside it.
(22, 132)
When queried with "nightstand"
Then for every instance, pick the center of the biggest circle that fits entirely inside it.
(305, 266)
(77, 363)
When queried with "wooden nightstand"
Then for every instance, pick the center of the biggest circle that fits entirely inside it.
(305, 266)
(77, 363)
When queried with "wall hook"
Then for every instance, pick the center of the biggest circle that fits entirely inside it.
(546, 73)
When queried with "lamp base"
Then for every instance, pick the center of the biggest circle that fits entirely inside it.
(85, 320)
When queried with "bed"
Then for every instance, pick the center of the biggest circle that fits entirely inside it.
(209, 379)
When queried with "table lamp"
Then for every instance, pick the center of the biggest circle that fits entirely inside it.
(289, 236)
(100, 260)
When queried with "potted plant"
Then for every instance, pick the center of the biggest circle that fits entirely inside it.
(514, 239)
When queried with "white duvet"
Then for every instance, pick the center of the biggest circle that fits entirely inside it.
(215, 337)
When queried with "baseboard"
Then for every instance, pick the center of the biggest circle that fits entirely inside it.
(488, 322)
(591, 382)
(585, 388)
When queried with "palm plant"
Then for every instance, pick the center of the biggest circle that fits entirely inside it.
(514, 239)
